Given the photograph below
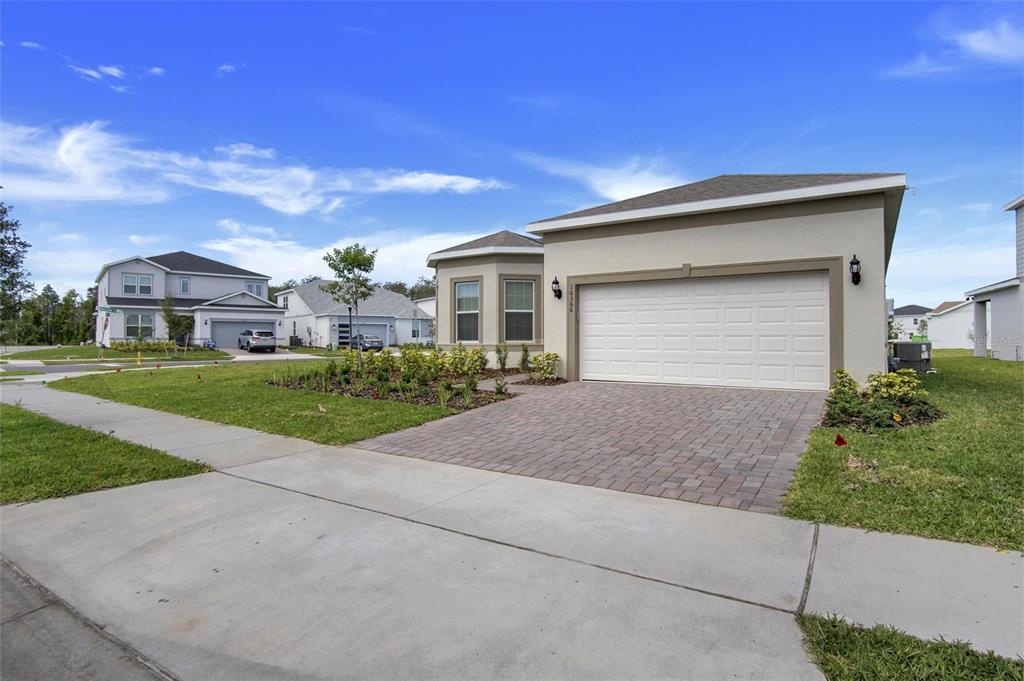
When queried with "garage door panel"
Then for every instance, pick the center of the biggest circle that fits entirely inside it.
(764, 330)
(225, 333)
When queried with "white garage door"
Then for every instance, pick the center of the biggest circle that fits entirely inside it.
(766, 331)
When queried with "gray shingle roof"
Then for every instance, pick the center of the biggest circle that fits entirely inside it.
(912, 309)
(382, 303)
(942, 307)
(501, 239)
(721, 187)
(183, 261)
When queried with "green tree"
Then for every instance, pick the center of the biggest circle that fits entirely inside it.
(273, 289)
(66, 318)
(423, 288)
(14, 283)
(87, 320)
(396, 286)
(352, 267)
(47, 303)
(177, 324)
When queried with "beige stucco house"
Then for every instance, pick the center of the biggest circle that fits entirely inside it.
(739, 280)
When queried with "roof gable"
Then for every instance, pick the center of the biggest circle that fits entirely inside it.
(183, 261)
(238, 299)
(502, 239)
(911, 309)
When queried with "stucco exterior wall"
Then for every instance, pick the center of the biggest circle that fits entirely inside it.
(906, 322)
(208, 287)
(835, 228)
(489, 271)
(952, 329)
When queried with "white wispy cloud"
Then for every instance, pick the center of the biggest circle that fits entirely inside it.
(928, 276)
(121, 89)
(155, 71)
(1000, 43)
(66, 238)
(143, 239)
(401, 255)
(980, 208)
(920, 66)
(87, 73)
(87, 162)
(225, 69)
(32, 45)
(242, 149)
(112, 71)
(236, 228)
(633, 177)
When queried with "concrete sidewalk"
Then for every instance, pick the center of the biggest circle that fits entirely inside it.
(705, 569)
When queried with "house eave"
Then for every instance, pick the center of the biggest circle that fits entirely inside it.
(434, 258)
(889, 183)
(992, 288)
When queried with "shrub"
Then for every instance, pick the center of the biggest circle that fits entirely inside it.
(144, 346)
(471, 381)
(443, 395)
(500, 386)
(524, 359)
(412, 362)
(544, 367)
(843, 384)
(902, 386)
(501, 354)
(467, 394)
(477, 360)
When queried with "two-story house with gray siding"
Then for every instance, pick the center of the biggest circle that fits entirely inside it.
(223, 300)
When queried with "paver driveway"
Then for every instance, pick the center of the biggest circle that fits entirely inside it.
(721, 446)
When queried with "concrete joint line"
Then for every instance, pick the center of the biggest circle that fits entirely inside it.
(518, 547)
(54, 599)
(445, 501)
(810, 571)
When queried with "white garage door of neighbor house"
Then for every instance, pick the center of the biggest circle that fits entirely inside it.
(765, 331)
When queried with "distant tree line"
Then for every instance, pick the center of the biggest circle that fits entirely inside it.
(424, 287)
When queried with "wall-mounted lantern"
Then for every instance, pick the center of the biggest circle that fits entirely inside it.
(556, 288)
(855, 270)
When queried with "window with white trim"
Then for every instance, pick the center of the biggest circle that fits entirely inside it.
(138, 325)
(284, 302)
(185, 286)
(255, 288)
(137, 284)
(467, 312)
(415, 333)
(519, 302)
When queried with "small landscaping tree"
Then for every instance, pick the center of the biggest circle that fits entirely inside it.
(177, 324)
(352, 266)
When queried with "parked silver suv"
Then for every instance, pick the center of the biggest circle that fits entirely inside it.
(257, 339)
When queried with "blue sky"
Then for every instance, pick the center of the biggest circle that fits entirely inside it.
(262, 134)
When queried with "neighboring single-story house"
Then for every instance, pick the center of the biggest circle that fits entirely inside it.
(223, 300)
(741, 280)
(428, 304)
(951, 325)
(314, 317)
(999, 307)
(909, 318)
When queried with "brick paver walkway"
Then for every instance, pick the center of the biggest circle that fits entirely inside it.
(720, 446)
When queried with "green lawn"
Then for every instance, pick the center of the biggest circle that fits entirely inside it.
(42, 458)
(846, 652)
(20, 372)
(961, 478)
(238, 395)
(91, 353)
